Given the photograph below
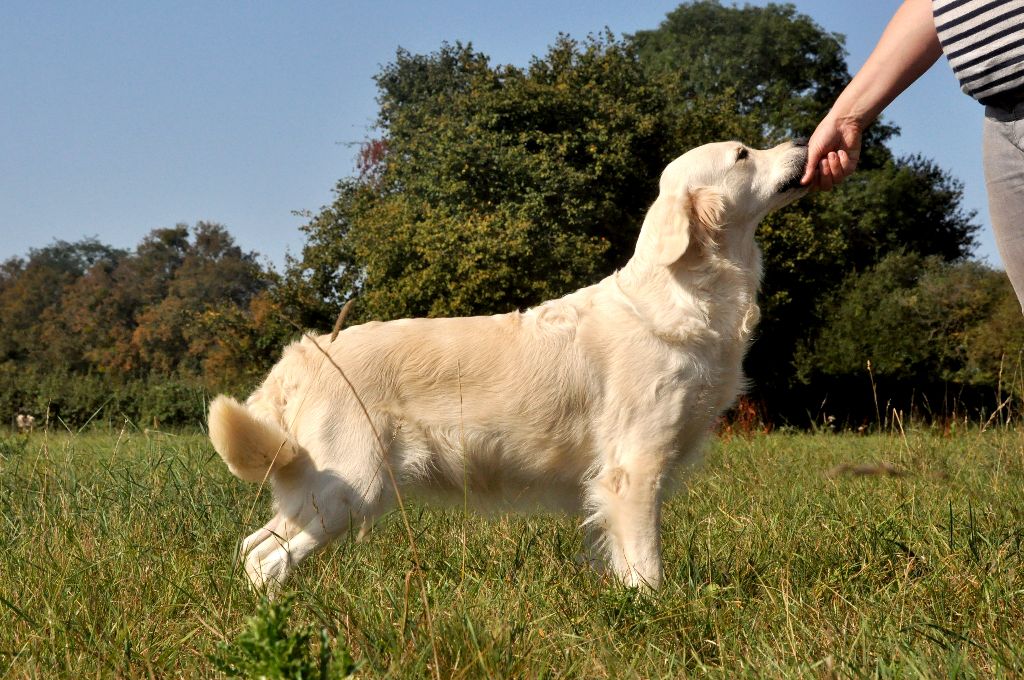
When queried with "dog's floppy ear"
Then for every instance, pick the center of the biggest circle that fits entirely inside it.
(679, 221)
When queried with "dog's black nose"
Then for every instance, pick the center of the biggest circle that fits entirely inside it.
(800, 141)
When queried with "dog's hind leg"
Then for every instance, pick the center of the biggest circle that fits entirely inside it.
(313, 519)
(258, 538)
(269, 565)
(626, 501)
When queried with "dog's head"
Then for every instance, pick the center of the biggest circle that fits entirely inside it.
(717, 193)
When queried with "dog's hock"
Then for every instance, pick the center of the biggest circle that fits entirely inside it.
(677, 221)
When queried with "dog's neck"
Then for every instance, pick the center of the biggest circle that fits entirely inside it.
(717, 287)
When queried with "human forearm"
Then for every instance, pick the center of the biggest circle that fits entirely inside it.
(907, 48)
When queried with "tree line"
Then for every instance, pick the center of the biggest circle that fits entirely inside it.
(94, 331)
(485, 188)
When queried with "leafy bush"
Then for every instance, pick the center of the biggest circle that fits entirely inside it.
(268, 649)
(995, 346)
(60, 396)
(173, 402)
(930, 332)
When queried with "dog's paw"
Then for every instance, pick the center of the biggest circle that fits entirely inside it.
(266, 575)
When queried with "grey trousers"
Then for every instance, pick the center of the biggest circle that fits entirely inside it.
(1003, 149)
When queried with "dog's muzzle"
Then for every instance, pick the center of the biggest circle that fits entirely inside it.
(796, 163)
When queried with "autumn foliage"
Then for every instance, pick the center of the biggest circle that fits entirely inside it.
(90, 330)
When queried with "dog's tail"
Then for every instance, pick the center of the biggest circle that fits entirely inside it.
(251, 446)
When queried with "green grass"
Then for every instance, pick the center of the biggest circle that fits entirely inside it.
(116, 558)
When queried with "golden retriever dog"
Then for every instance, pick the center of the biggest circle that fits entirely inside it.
(589, 404)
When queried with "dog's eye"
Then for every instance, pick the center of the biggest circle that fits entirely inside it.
(741, 154)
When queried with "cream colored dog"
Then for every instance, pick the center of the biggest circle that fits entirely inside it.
(588, 404)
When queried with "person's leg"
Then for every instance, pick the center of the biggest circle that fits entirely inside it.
(1003, 149)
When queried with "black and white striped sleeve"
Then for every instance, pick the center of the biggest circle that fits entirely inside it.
(984, 42)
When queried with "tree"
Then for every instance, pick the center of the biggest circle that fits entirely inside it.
(496, 187)
(907, 205)
(30, 289)
(916, 320)
(90, 327)
(207, 274)
(87, 327)
(779, 69)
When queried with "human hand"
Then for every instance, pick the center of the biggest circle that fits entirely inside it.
(832, 153)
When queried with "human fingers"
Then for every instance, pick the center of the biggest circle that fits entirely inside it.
(835, 167)
(825, 180)
(808, 175)
(847, 163)
(811, 168)
(816, 153)
(817, 146)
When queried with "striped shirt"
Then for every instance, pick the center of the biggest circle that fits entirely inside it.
(984, 43)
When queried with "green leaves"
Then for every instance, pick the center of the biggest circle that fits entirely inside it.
(781, 70)
(924, 325)
(267, 648)
(493, 188)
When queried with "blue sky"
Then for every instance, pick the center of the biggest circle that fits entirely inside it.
(121, 117)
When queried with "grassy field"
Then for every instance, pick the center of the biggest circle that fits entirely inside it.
(116, 559)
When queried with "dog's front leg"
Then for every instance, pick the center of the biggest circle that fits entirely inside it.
(627, 505)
